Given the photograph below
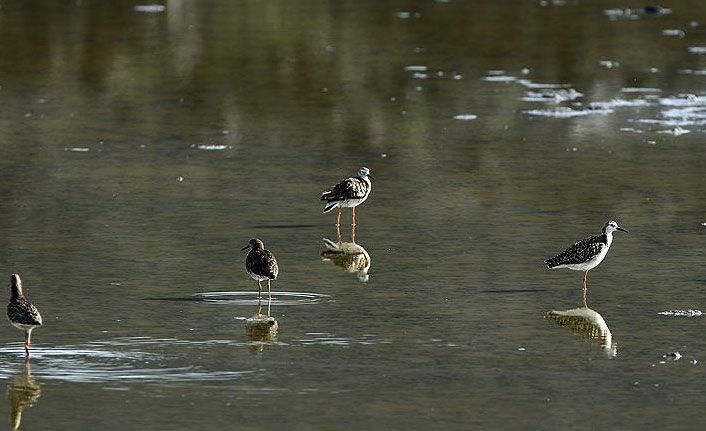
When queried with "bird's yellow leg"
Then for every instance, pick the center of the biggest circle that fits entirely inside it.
(269, 301)
(259, 295)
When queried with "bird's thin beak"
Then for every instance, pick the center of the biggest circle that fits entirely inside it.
(245, 248)
(621, 229)
(371, 177)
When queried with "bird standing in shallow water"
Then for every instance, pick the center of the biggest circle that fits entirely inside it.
(261, 265)
(21, 313)
(586, 254)
(350, 193)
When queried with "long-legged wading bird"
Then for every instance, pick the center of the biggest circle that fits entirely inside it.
(350, 193)
(586, 254)
(21, 313)
(261, 265)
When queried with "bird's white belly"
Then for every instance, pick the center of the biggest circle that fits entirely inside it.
(22, 326)
(257, 277)
(590, 264)
(348, 203)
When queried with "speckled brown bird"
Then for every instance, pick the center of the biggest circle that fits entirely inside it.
(348, 193)
(261, 265)
(21, 313)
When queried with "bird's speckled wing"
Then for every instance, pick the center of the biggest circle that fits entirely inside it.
(581, 252)
(263, 263)
(23, 312)
(350, 188)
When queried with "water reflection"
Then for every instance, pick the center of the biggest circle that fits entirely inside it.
(349, 256)
(587, 323)
(23, 391)
(261, 330)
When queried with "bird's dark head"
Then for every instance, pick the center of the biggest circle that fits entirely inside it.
(611, 227)
(365, 172)
(16, 284)
(255, 244)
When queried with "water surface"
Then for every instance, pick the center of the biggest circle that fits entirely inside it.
(143, 147)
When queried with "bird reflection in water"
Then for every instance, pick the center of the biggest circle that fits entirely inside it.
(23, 391)
(588, 323)
(351, 257)
(261, 330)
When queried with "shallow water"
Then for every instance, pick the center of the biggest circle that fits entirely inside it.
(143, 146)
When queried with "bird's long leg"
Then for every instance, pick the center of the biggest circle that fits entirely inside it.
(269, 301)
(259, 295)
(353, 226)
(584, 289)
(338, 224)
(28, 335)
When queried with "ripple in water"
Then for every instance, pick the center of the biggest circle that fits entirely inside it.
(681, 313)
(618, 103)
(327, 339)
(564, 112)
(498, 78)
(552, 95)
(98, 363)
(465, 117)
(698, 112)
(211, 147)
(149, 8)
(640, 90)
(692, 71)
(683, 100)
(250, 298)
(73, 371)
(539, 85)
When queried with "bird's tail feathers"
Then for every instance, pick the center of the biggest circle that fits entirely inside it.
(330, 206)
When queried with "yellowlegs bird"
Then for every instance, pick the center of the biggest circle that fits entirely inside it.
(349, 193)
(586, 254)
(261, 265)
(20, 312)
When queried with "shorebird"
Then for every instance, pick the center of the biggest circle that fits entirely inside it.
(586, 254)
(349, 193)
(21, 313)
(261, 265)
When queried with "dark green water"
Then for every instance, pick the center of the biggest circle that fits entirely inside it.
(141, 150)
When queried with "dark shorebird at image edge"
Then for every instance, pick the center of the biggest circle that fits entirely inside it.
(21, 313)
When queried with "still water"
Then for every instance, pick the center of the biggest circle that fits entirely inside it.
(142, 147)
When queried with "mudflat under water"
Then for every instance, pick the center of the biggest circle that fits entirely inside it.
(143, 146)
